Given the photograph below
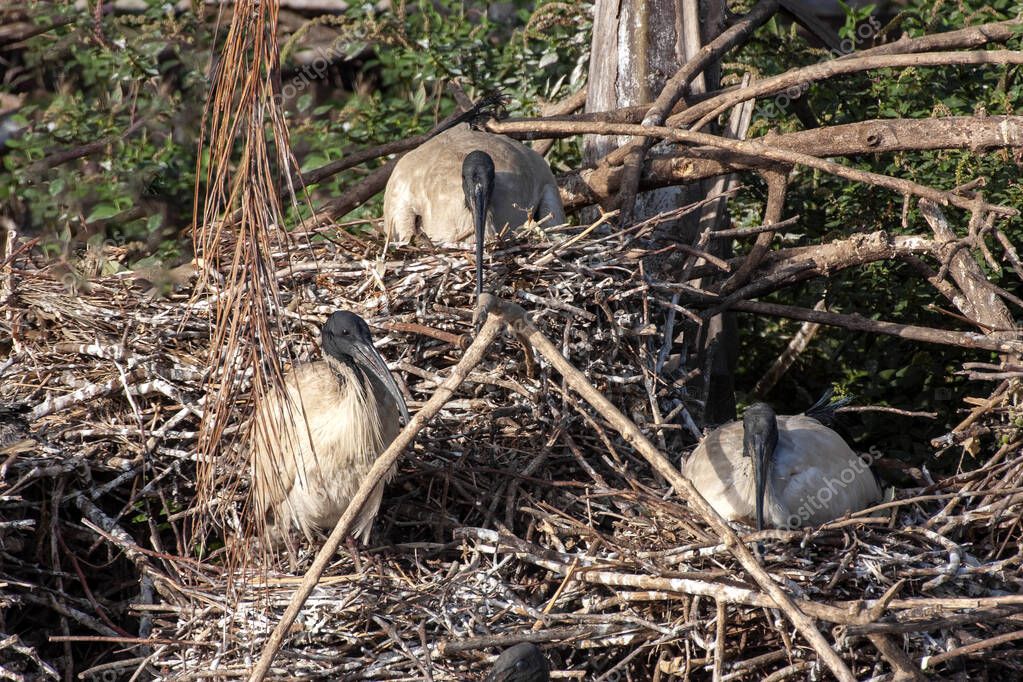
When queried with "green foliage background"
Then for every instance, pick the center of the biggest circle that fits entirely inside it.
(882, 369)
(85, 81)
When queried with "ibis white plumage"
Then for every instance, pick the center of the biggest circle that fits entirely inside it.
(312, 448)
(782, 471)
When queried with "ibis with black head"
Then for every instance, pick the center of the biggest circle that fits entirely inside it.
(520, 663)
(781, 471)
(478, 173)
(467, 185)
(314, 443)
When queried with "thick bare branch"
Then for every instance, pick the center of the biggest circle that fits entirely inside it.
(979, 302)
(877, 136)
(767, 152)
(796, 80)
(974, 36)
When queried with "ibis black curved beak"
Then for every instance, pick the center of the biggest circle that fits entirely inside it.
(760, 464)
(478, 186)
(760, 438)
(479, 219)
(370, 361)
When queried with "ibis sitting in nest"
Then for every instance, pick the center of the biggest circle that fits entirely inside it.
(782, 471)
(463, 184)
(313, 444)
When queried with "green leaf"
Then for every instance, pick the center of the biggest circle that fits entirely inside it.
(419, 99)
(102, 212)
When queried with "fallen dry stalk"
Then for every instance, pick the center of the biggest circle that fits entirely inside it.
(459, 372)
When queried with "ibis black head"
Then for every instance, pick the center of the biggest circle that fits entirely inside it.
(759, 440)
(521, 663)
(345, 337)
(478, 187)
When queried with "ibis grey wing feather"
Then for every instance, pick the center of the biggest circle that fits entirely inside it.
(817, 476)
(550, 206)
(525, 183)
(307, 462)
(280, 435)
(722, 475)
(390, 419)
(399, 213)
(426, 184)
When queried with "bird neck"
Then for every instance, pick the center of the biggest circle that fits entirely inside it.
(345, 369)
(352, 376)
(358, 397)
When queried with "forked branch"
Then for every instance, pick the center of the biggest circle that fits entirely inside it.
(515, 317)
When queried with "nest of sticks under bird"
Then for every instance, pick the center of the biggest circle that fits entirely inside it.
(518, 514)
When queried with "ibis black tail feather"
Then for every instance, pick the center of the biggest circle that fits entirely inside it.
(488, 106)
(824, 410)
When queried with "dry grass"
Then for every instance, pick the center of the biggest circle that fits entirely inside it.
(241, 236)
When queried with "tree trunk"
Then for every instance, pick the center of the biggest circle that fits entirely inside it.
(637, 46)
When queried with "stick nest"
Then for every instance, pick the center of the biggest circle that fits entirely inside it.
(518, 515)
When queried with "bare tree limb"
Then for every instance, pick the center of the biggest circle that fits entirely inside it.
(978, 301)
(971, 340)
(768, 152)
(566, 106)
(794, 82)
(973, 36)
(797, 344)
(676, 89)
(588, 186)
(57, 158)
(777, 182)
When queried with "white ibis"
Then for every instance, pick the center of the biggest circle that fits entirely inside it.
(786, 471)
(521, 663)
(311, 449)
(426, 191)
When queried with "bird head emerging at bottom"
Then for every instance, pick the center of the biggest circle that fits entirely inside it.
(345, 337)
(521, 663)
